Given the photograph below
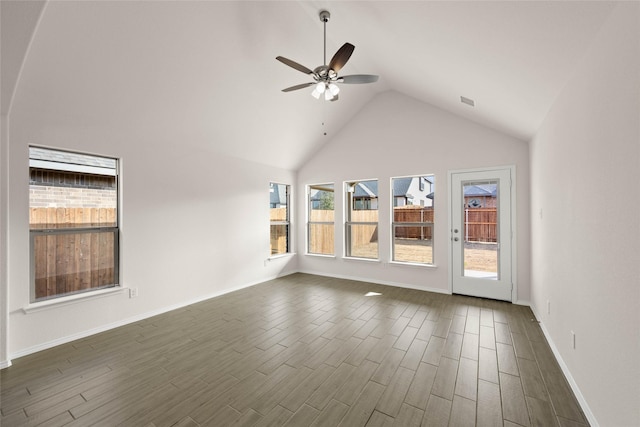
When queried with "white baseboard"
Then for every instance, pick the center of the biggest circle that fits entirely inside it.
(378, 282)
(87, 333)
(567, 373)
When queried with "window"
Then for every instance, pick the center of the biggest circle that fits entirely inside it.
(279, 213)
(73, 223)
(320, 228)
(361, 227)
(412, 223)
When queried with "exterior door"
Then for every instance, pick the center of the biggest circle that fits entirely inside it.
(481, 233)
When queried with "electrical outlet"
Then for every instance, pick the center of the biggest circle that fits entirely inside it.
(548, 306)
(573, 340)
(133, 292)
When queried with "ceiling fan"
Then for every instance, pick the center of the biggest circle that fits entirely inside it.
(326, 76)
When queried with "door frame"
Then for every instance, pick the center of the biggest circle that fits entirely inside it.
(514, 234)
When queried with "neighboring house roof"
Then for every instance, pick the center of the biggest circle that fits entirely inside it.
(401, 186)
(366, 189)
(276, 197)
(489, 190)
(70, 158)
(63, 161)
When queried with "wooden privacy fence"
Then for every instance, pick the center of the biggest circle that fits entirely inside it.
(480, 225)
(71, 217)
(363, 234)
(278, 231)
(321, 240)
(73, 260)
(415, 214)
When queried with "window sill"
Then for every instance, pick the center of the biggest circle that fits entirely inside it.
(351, 258)
(320, 255)
(71, 299)
(287, 255)
(411, 264)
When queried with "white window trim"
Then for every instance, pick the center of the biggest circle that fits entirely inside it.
(99, 292)
(71, 299)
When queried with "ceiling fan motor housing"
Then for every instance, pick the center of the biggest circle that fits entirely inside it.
(324, 73)
(324, 16)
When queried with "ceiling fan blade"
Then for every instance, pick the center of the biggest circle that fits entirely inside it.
(358, 79)
(296, 87)
(294, 64)
(341, 57)
(335, 98)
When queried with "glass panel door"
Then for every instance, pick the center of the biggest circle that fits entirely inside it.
(481, 233)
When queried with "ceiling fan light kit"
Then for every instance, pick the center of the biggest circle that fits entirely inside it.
(325, 76)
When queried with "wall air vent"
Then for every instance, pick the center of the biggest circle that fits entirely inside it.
(467, 101)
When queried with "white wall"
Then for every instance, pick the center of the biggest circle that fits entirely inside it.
(585, 204)
(4, 356)
(396, 135)
(194, 224)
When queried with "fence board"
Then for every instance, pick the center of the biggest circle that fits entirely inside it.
(68, 263)
(481, 225)
(415, 214)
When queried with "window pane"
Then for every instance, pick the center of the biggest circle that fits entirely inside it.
(279, 239)
(321, 239)
(361, 232)
(69, 190)
(362, 240)
(416, 191)
(413, 244)
(413, 218)
(362, 196)
(321, 203)
(481, 248)
(320, 227)
(71, 263)
(279, 202)
(279, 218)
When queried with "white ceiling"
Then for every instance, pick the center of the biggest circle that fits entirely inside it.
(204, 73)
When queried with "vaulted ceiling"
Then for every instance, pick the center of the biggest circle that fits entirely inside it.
(204, 73)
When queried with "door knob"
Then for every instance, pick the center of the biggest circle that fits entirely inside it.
(455, 239)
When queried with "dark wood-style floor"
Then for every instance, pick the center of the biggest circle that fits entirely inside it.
(302, 350)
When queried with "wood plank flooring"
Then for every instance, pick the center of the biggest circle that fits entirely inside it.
(302, 350)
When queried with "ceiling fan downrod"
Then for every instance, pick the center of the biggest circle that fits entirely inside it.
(324, 17)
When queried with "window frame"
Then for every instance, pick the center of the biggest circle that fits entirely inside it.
(348, 210)
(35, 233)
(286, 222)
(394, 224)
(310, 223)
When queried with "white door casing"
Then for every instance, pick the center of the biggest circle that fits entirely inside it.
(482, 238)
